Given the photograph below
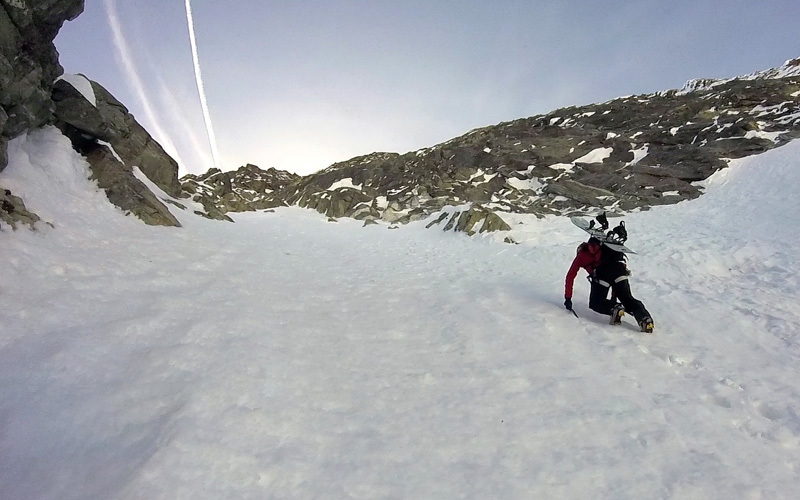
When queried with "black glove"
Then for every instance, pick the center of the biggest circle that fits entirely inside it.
(568, 303)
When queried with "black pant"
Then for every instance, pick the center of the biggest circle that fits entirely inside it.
(614, 275)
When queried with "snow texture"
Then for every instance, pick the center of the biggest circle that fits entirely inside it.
(344, 183)
(284, 356)
(82, 85)
(595, 156)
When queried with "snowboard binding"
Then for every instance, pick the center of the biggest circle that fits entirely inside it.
(618, 235)
(602, 220)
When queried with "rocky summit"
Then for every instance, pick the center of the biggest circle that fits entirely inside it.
(623, 155)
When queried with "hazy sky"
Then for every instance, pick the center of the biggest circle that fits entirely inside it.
(299, 85)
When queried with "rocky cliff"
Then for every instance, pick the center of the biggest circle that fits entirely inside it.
(34, 92)
(29, 63)
(103, 130)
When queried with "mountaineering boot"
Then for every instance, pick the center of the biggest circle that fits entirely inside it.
(646, 324)
(617, 312)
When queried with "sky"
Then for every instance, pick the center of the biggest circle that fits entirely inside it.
(268, 359)
(299, 85)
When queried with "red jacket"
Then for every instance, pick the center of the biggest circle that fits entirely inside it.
(588, 257)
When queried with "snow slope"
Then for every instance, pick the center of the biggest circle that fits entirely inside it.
(284, 356)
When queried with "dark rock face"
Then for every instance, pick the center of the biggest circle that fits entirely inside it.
(101, 129)
(29, 63)
(135, 145)
(79, 119)
(629, 153)
(107, 120)
(28, 67)
(126, 191)
(32, 95)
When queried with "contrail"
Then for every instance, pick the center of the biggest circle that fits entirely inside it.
(189, 131)
(203, 102)
(124, 54)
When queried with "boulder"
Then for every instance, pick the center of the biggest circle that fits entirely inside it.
(13, 211)
(476, 219)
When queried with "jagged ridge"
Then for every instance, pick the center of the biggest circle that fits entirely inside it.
(623, 155)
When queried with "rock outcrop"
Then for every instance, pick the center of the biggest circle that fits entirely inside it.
(103, 130)
(13, 211)
(100, 127)
(29, 63)
(246, 189)
(134, 144)
(125, 190)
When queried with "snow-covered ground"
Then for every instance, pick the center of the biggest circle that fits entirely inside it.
(285, 356)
